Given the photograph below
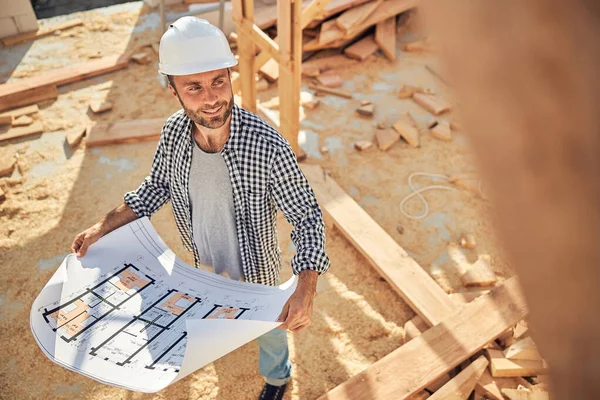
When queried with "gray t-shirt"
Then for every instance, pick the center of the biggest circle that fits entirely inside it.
(213, 215)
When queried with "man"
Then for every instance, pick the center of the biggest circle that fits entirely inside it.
(226, 172)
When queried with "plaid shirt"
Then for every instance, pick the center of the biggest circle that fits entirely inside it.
(264, 175)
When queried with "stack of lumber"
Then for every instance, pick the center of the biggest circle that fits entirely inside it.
(358, 27)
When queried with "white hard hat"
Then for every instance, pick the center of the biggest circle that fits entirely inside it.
(192, 45)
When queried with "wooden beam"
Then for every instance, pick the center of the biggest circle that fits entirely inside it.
(411, 367)
(462, 385)
(290, 70)
(524, 349)
(403, 273)
(244, 10)
(104, 133)
(260, 38)
(41, 32)
(62, 76)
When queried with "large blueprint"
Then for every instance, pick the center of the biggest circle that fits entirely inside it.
(131, 314)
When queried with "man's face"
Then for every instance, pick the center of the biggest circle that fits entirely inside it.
(206, 98)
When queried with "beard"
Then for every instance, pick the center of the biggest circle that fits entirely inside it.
(214, 122)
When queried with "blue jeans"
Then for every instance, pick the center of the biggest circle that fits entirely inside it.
(274, 363)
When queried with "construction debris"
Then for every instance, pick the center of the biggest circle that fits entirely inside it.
(362, 49)
(430, 103)
(467, 242)
(361, 145)
(337, 92)
(367, 109)
(386, 138)
(407, 91)
(441, 131)
(74, 136)
(406, 127)
(23, 120)
(479, 274)
(524, 349)
(7, 164)
(100, 106)
(501, 366)
(141, 58)
(330, 79)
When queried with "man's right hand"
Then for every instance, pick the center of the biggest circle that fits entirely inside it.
(85, 239)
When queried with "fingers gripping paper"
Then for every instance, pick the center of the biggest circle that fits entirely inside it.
(131, 314)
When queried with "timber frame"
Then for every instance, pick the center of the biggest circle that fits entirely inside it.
(285, 50)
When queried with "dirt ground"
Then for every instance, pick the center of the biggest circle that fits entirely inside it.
(57, 192)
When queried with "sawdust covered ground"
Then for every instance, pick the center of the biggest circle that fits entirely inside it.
(56, 192)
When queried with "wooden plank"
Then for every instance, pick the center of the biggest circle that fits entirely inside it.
(17, 112)
(105, 133)
(332, 62)
(403, 273)
(29, 96)
(361, 49)
(356, 15)
(270, 71)
(22, 131)
(337, 92)
(329, 33)
(431, 103)
(524, 349)
(462, 385)
(408, 369)
(385, 37)
(387, 9)
(314, 45)
(41, 32)
(63, 76)
(503, 367)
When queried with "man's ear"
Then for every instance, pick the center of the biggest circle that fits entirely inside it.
(173, 90)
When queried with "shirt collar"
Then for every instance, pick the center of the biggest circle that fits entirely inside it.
(235, 129)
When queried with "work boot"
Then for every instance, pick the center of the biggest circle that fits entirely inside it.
(271, 392)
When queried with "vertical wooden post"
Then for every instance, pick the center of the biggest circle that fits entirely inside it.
(290, 47)
(244, 9)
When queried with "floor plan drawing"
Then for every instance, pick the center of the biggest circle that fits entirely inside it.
(81, 313)
(126, 313)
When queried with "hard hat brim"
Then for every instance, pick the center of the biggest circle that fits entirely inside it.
(195, 68)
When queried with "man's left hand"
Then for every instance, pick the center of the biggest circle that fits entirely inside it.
(297, 311)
